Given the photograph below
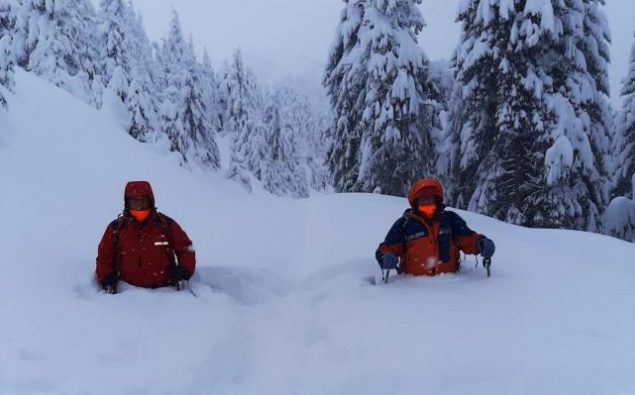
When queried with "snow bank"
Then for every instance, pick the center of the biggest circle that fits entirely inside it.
(283, 306)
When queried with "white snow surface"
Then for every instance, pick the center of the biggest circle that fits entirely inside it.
(282, 306)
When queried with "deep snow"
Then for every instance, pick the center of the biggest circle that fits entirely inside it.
(282, 304)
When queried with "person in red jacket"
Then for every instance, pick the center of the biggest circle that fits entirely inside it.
(143, 247)
(427, 239)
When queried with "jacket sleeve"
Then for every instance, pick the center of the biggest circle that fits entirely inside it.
(183, 248)
(393, 243)
(466, 238)
(106, 254)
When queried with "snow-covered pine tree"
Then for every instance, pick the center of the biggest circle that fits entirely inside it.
(345, 86)
(242, 104)
(442, 77)
(85, 42)
(141, 105)
(142, 93)
(619, 219)
(210, 91)
(183, 112)
(53, 39)
(625, 145)
(472, 130)
(283, 172)
(157, 73)
(522, 139)
(385, 106)
(119, 83)
(8, 10)
(595, 44)
(201, 135)
(310, 121)
(24, 36)
(117, 47)
(317, 147)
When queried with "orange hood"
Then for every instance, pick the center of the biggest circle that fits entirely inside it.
(425, 186)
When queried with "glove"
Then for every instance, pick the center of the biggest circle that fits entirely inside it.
(180, 274)
(486, 248)
(389, 261)
(109, 283)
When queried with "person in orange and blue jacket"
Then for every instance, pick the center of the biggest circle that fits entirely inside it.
(426, 241)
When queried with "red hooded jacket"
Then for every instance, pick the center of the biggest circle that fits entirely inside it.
(145, 254)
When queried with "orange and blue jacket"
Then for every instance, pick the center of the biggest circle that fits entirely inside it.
(429, 247)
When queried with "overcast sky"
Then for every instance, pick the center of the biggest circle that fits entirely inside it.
(290, 38)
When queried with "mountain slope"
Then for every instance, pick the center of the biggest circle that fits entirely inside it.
(282, 306)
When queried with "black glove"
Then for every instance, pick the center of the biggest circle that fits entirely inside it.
(109, 283)
(180, 274)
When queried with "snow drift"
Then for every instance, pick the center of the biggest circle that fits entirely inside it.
(282, 304)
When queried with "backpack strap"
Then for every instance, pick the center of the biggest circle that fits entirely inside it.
(404, 242)
(117, 224)
(165, 223)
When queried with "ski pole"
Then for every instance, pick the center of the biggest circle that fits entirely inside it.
(187, 285)
(487, 263)
(111, 289)
(385, 274)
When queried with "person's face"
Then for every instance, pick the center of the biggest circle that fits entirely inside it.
(139, 203)
(425, 200)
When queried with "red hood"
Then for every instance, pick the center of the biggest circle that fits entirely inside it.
(139, 188)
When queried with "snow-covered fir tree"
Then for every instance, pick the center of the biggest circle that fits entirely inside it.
(284, 122)
(625, 145)
(183, 112)
(472, 128)
(142, 105)
(595, 45)
(242, 105)
(311, 120)
(126, 54)
(524, 148)
(442, 78)
(8, 9)
(619, 220)
(8, 14)
(56, 39)
(116, 39)
(385, 106)
(142, 92)
(210, 91)
(201, 134)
